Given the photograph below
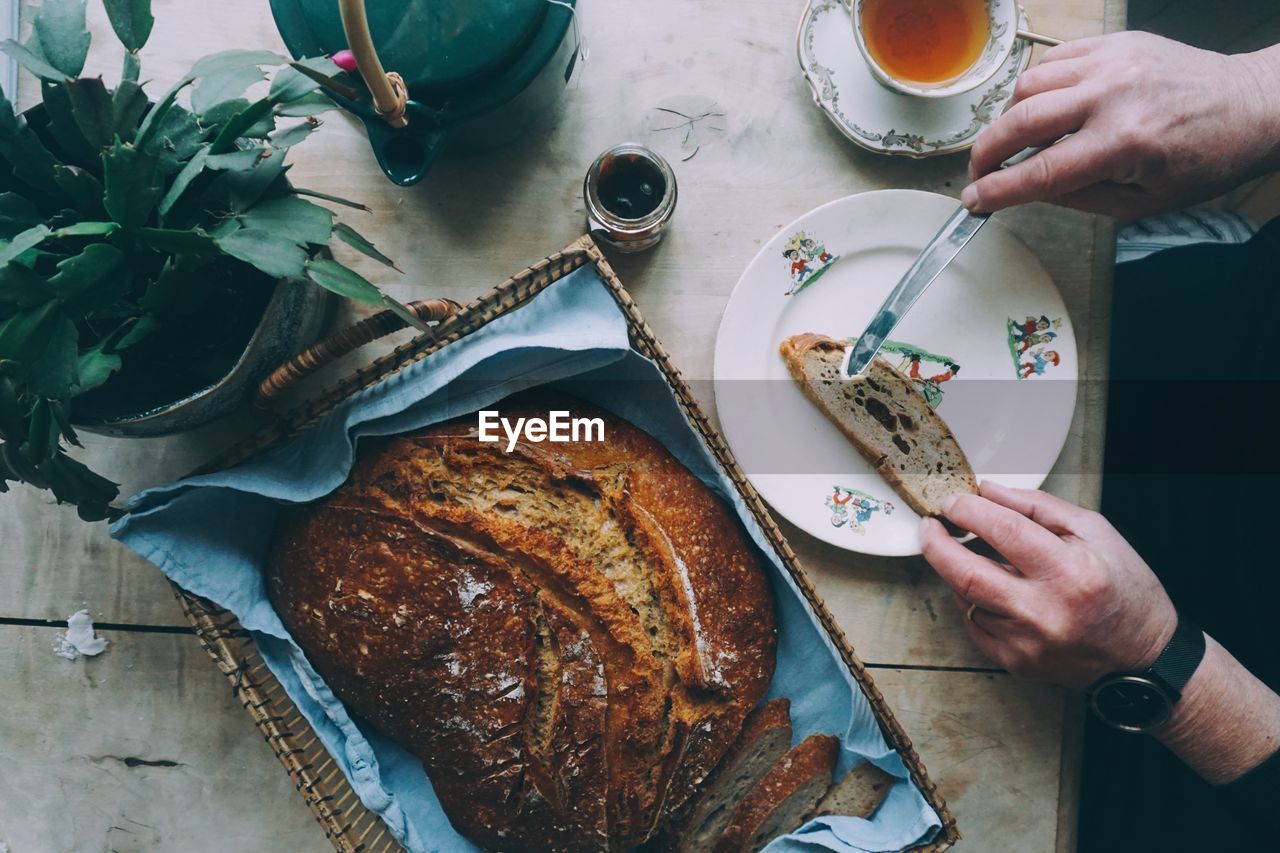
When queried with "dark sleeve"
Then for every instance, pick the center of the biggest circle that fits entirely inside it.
(1254, 794)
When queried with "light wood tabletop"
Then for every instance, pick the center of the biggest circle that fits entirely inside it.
(143, 748)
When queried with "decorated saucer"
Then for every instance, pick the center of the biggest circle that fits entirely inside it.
(889, 122)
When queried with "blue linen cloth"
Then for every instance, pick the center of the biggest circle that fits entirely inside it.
(211, 534)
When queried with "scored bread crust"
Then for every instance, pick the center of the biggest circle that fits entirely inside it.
(569, 636)
(908, 402)
(805, 771)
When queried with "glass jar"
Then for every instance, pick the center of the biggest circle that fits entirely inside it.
(630, 195)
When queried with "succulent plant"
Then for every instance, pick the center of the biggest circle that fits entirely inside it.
(116, 208)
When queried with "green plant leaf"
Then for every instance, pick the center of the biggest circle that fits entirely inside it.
(290, 136)
(151, 121)
(84, 190)
(42, 432)
(23, 241)
(132, 332)
(42, 344)
(86, 229)
(133, 184)
(132, 67)
(304, 77)
(71, 482)
(291, 218)
(64, 39)
(16, 466)
(182, 180)
(177, 241)
(236, 58)
(91, 105)
(17, 214)
(96, 367)
(31, 161)
(32, 61)
(61, 413)
(177, 140)
(13, 419)
(239, 190)
(238, 124)
(355, 240)
(274, 255)
(132, 21)
(64, 128)
(333, 276)
(333, 198)
(242, 159)
(228, 84)
(179, 289)
(128, 104)
(308, 105)
(91, 279)
(22, 286)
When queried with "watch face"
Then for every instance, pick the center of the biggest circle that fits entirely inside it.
(1131, 703)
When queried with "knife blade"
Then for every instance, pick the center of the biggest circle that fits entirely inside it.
(954, 235)
(959, 229)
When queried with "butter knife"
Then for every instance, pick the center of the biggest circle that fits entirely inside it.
(954, 235)
(946, 244)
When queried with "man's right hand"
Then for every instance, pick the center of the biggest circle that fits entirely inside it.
(1155, 126)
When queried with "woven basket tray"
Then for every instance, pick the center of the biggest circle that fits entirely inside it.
(346, 822)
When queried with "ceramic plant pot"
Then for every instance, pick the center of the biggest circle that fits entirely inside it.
(293, 318)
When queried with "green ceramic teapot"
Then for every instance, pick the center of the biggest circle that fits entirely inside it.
(438, 73)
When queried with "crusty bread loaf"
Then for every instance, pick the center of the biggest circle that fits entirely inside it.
(765, 738)
(568, 635)
(886, 419)
(780, 800)
(858, 794)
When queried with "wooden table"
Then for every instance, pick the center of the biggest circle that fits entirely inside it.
(143, 748)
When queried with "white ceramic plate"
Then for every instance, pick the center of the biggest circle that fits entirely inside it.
(994, 314)
(885, 121)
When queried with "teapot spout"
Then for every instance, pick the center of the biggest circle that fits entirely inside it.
(405, 154)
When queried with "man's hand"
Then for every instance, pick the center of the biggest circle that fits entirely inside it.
(1072, 601)
(1155, 126)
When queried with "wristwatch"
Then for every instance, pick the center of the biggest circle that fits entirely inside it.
(1142, 701)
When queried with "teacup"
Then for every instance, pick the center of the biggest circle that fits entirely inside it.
(934, 48)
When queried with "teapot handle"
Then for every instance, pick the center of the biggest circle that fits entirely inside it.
(387, 87)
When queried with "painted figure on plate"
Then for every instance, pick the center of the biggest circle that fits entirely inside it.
(1029, 342)
(808, 260)
(854, 508)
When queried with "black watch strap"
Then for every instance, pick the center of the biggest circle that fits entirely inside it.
(1178, 661)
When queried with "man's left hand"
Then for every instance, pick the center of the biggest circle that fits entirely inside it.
(1070, 602)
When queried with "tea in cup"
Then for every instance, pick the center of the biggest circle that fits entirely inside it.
(934, 48)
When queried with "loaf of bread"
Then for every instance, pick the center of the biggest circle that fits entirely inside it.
(568, 635)
(887, 420)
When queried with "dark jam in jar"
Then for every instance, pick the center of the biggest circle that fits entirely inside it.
(631, 186)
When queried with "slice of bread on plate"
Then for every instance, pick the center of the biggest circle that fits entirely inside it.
(780, 800)
(887, 420)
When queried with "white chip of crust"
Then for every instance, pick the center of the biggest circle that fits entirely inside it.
(79, 639)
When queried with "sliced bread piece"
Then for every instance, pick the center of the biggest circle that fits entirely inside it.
(765, 737)
(781, 799)
(858, 794)
(886, 419)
